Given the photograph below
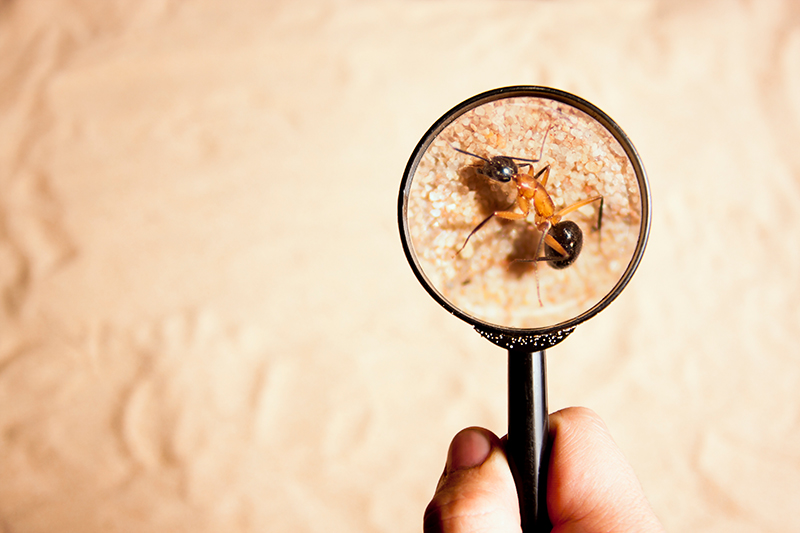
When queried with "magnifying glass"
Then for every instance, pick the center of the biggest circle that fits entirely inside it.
(525, 211)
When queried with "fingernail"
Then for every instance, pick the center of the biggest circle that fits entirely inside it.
(470, 448)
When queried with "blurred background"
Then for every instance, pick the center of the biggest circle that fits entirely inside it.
(206, 319)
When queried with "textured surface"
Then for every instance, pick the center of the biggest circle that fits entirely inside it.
(206, 319)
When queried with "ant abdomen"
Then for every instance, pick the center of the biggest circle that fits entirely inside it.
(570, 237)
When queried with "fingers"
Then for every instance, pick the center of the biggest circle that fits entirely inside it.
(591, 486)
(476, 491)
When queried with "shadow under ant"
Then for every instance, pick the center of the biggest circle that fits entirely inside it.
(490, 195)
(523, 248)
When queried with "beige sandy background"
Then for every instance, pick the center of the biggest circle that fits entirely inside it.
(206, 319)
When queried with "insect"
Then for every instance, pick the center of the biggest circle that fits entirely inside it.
(561, 241)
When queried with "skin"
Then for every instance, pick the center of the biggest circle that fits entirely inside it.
(591, 486)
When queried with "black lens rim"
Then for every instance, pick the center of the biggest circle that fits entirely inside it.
(515, 337)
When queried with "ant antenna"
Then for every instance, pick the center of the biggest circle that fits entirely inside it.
(541, 148)
(468, 153)
(527, 160)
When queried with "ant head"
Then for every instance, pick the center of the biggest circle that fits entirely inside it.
(501, 168)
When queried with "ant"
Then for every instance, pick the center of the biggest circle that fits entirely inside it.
(562, 240)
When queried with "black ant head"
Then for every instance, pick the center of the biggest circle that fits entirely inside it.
(501, 168)
(570, 237)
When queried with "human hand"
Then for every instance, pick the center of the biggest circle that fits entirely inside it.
(591, 487)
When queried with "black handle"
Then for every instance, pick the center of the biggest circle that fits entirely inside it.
(528, 448)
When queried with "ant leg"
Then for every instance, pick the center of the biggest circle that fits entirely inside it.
(600, 214)
(537, 177)
(545, 237)
(552, 243)
(524, 206)
(578, 205)
(555, 245)
(474, 230)
(507, 215)
(544, 173)
(544, 229)
(600, 225)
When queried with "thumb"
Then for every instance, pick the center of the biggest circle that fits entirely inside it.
(476, 491)
(591, 486)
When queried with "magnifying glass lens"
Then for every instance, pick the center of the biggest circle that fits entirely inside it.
(524, 209)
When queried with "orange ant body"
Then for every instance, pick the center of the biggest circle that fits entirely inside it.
(561, 240)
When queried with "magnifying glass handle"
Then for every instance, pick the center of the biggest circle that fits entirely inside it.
(528, 448)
